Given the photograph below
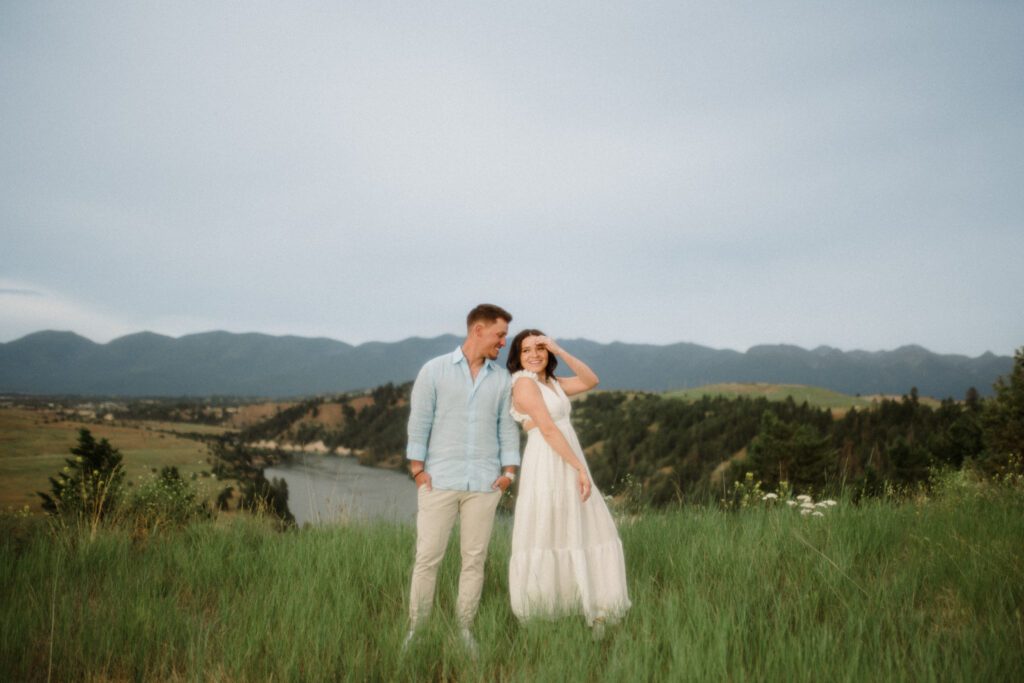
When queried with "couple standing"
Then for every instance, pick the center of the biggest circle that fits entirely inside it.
(463, 453)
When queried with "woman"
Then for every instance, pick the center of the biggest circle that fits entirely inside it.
(566, 554)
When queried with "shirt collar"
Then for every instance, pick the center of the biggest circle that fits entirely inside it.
(459, 357)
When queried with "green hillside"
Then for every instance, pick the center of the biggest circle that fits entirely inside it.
(814, 396)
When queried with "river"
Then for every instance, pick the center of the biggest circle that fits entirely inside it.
(324, 489)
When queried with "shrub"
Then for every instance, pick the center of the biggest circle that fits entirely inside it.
(166, 500)
(260, 496)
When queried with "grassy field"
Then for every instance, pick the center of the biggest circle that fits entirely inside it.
(33, 446)
(919, 591)
(814, 396)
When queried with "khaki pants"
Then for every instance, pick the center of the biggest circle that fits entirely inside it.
(435, 517)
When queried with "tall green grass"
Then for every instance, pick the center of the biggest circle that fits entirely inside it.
(878, 591)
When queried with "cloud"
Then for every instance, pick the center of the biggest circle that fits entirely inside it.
(655, 172)
(28, 309)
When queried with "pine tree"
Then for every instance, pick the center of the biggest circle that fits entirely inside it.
(1004, 414)
(791, 452)
(91, 482)
(909, 461)
(263, 496)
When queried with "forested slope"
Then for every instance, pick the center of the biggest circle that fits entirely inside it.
(667, 449)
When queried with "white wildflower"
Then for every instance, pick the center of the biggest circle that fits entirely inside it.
(805, 512)
(807, 505)
(822, 504)
(830, 502)
(817, 513)
(791, 503)
(771, 496)
(804, 498)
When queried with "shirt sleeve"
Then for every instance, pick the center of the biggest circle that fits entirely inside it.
(421, 414)
(508, 431)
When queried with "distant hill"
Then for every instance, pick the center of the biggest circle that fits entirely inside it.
(223, 363)
(814, 396)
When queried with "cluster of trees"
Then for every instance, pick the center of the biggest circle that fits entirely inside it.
(91, 486)
(234, 460)
(281, 422)
(676, 449)
(897, 443)
(210, 411)
(668, 449)
(91, 490)
(679, 450)
(1003, 418)
(375, 429)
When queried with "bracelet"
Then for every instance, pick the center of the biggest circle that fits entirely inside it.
(416, 474)
(511, 476)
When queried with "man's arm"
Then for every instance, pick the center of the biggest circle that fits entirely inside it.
(508, 434)
(419, 475)
(421, 418)
(508, 445)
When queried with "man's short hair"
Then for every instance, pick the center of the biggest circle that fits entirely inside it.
(487, 313)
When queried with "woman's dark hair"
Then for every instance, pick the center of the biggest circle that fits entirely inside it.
(516, 349)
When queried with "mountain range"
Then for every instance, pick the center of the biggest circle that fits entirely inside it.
(224, 363)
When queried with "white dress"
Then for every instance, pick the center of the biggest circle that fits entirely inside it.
(566, 554)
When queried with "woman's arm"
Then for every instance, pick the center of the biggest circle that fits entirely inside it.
(585, 379)
(527, 399)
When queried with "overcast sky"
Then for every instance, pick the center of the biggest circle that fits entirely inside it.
(724, 173)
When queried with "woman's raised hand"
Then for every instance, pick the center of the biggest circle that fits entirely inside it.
(550, 344)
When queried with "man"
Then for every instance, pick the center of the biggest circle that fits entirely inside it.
(463, 453)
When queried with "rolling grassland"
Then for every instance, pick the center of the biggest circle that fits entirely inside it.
(892, 589)
(34, 445)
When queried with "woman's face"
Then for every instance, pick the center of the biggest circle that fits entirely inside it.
(533, 355)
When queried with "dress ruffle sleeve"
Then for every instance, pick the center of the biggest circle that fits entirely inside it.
(523, 373)
(516, 415)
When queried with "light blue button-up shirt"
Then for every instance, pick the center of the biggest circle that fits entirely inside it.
(462, 430)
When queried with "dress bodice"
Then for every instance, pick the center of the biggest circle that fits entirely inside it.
(555, 398)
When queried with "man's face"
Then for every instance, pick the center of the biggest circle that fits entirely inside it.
(492, 337)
